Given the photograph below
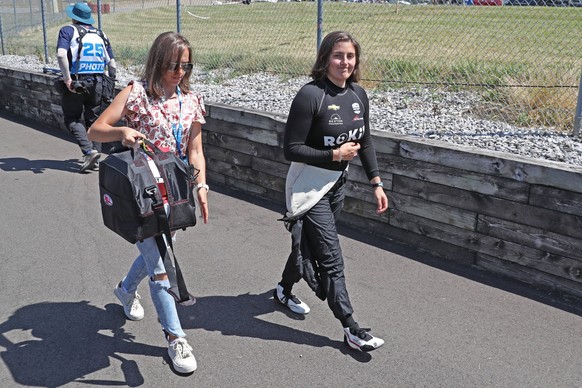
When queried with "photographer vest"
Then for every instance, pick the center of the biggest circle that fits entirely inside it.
(88, 50)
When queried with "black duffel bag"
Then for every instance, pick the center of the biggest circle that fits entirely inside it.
(130, 196)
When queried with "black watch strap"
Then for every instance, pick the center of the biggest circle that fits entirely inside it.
(379, 184)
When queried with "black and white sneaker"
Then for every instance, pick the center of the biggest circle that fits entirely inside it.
(359, 339)
(291, 301)
(89, 160)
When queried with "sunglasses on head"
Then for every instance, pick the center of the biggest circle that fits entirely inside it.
(174, 66)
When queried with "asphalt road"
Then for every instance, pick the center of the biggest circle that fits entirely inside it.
(60, 324)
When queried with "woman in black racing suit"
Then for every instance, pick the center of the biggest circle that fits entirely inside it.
(327, 126)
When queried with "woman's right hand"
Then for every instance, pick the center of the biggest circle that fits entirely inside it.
(348, 151)
(130, 137)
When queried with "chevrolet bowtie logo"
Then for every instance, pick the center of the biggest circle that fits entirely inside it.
(333, 107)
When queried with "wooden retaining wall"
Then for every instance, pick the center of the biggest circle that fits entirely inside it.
(510, 215)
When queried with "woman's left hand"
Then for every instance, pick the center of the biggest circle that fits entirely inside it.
(203, 201)
(381, 200)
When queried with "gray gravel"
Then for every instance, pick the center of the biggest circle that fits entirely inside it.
(441, 116)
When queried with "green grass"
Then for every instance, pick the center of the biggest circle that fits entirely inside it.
(402, 46)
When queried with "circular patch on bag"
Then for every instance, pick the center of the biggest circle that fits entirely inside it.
(107, 200)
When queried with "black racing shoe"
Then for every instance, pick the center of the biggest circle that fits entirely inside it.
(359, 339)
(291, 301)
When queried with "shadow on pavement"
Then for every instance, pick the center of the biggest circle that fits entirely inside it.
(52, 344)
(39, 166)
(240, 316)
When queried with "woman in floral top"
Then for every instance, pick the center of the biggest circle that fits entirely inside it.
(163, 109)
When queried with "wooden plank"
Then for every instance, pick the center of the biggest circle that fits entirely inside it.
(556, 199)
(277, 197)
(364, 209)
(521, 169)
(249, 147)
(260, 136)
(247, 117)
(356, 173)
(445, 213)
(16, 75)
(529, 257)
(244, 185)
(247, 174)
(364, 192)
(454, 177)
(565, 288)
(387, 142)
(215, 177)
(43, 79)
(33, 98)
(270, 167)
(417, 241)
(551, 220)
(436, 230)
(556, 265)
(229, 156)
(560, 266)
(530, 236)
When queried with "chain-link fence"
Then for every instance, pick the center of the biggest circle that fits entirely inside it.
(522, 57)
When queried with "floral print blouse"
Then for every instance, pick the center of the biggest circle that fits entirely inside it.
(155, 119)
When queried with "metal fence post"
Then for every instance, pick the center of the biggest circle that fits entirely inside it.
(99, 14)
(43, 13)
(319, 22)
(2, 36)
(578, 114)
(15, 19)
(178, 16)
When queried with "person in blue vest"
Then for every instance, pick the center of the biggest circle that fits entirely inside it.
(84, 54)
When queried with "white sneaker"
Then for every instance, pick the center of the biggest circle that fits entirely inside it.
(294, 303)
(130, 303)
(181, 354)
(360, 339)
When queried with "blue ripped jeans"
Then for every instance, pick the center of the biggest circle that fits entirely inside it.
(148, 264)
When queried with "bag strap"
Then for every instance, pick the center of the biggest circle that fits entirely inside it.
(178, 288)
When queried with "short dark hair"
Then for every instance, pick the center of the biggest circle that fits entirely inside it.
(163, 51)
(319, 69)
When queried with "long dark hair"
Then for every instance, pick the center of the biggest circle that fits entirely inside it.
(319, 69)
(163, 51)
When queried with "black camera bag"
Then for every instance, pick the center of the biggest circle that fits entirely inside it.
(129, 194)
(133, 207)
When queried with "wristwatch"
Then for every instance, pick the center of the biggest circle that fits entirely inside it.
(378, 184)
(202, 186)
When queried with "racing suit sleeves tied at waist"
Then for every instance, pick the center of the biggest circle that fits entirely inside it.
(305, 186)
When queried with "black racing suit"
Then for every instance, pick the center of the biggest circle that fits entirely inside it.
(323, 117)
